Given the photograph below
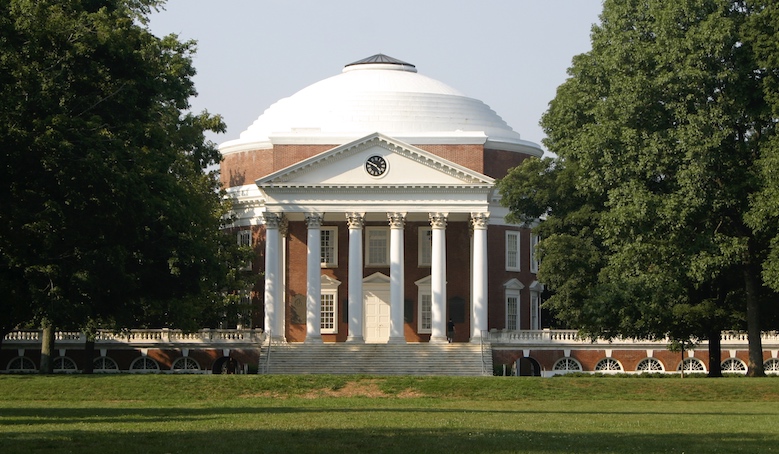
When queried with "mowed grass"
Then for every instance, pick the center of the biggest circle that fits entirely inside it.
(344, 414)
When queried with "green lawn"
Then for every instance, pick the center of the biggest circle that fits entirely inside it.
(339, 414)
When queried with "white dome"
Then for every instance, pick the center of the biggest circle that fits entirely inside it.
(379, 94)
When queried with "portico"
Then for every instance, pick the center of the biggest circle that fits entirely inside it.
(379, 210)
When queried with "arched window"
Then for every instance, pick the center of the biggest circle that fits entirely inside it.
(650, 365)
(21, 364)
(185, 364)
(567, 364)
(144, 364)
(771, 366)
(692, 365)
(104, 365)
(64, 364)
(734, 366)
(608, 365)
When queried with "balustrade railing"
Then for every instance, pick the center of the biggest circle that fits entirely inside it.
(539, 338)
(143, 337)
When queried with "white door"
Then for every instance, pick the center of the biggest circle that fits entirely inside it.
(377, 317)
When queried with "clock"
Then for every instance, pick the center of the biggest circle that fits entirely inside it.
(376, 166)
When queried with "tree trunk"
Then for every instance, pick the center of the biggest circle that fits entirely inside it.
(47, 348)
(89, 355)
(715, 354)
(755, 366)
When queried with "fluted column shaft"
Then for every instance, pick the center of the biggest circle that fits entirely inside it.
(479, 314)
(314, 279)
(438, 277)
(397, 225)
(355, 298)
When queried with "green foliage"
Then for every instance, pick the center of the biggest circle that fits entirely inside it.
(662, 203)
(108, 213)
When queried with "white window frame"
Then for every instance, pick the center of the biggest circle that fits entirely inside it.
(533, 257)
(328, 315)
(425, 247)
(424, 306)
(244, 237)
(375, 263)
(513, 262)
(535, 304)
(329, 251)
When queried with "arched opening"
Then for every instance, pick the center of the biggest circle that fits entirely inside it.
(528, 367)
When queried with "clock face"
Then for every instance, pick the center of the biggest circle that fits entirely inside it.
(376, 166)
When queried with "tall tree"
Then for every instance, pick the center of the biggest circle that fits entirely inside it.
(659, 136)
(108, 210)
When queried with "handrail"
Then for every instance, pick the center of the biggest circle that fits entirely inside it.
(484, 368)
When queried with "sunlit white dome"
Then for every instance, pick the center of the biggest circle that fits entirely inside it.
(379, 94)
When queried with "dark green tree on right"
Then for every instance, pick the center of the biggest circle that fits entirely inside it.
(661, 207)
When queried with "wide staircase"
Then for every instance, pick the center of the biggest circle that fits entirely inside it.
(378, 359)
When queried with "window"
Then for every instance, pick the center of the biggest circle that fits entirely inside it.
(21, 364)
(104, 364)
(328, 322)
(329, 249)
(377, 246)
(608, 365)
(328, 313)
(734, 366)
(425, 248)
(567, 365)
(185, 364)
(425, 306)
(512, 309)
(64, 364)
(245, 240)
(771, 366)
(533, 259)
(512, 251)
(144, 364)
(692, 365)
(650, 365)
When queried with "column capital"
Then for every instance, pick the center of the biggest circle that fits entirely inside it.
(271, 220)
(480, 220)
(355, 220)
(284, 226)
(397, 220)
(314, 220)
(438, 220)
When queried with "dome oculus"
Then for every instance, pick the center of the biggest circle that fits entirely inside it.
(376, 166)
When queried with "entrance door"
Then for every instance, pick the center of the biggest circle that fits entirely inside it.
(377, 316)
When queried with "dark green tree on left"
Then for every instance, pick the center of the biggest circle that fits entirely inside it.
(109, 215)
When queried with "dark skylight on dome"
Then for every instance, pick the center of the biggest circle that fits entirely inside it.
(382, 59)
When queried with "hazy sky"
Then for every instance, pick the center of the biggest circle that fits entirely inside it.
(510, 54)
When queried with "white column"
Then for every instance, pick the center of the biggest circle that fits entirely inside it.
(397, 223)
(272, 278)
(479, 296)
(280, 326)
(314, 279)
(355, 222)
(438, 277)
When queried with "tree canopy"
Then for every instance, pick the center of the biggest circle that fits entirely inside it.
(660, 206)
(110, 209)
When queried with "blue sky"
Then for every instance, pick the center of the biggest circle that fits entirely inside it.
(511, 54)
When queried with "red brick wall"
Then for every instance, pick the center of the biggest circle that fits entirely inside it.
(497, 163)
(498, 276)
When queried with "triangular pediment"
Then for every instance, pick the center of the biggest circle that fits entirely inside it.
(351, 166)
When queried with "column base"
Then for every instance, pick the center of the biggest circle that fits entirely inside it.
(439, 340)
(396, 340)
(355, 340)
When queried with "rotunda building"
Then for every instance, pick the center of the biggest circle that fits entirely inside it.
(370, 199)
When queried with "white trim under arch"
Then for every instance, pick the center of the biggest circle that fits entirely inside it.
(692, 365)
(733, 366)
(185, 364)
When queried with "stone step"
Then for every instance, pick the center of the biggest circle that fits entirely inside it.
(380, 359)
